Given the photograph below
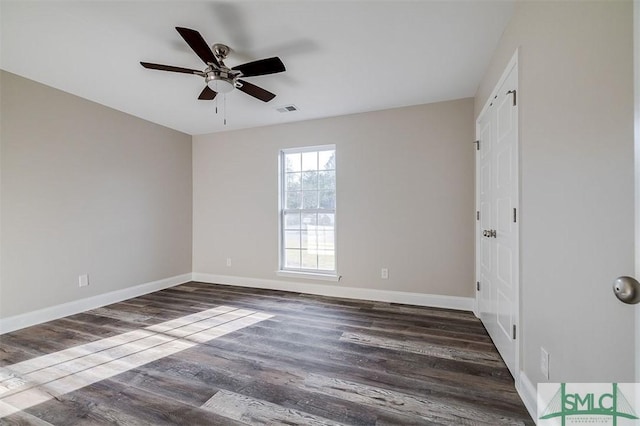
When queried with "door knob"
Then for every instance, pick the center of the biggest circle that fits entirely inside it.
(627, 290)
(485, 233)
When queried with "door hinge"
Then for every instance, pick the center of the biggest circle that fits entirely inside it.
(477, 285)
(514, 332)
(477, 214)
(514, 96)
(515, 215)
(477, 145)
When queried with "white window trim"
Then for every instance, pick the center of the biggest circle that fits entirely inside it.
(301, 273)
(308, 275)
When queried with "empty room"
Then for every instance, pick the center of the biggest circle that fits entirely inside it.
(319, 212)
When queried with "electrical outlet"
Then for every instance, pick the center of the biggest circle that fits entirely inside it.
(544, 362)
(228, 261)
(384, 274)
(83, 280)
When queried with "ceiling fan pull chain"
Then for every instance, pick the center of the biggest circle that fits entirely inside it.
(224, 100)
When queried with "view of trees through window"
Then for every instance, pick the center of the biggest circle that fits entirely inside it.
(308, 209)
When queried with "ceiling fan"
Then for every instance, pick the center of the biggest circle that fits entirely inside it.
(218, 77)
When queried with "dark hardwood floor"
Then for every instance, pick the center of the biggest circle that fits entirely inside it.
(202, 354)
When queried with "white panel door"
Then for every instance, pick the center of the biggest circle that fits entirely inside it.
(497, 227)
(484, 178)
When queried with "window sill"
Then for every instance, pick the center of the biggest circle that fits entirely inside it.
(308, 275)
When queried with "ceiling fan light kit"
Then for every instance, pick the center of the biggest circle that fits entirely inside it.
(218, 77)
(220, 82)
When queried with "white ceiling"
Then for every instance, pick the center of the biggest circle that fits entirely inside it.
(342, 57)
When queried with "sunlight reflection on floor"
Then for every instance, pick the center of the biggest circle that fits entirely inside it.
(37, 380)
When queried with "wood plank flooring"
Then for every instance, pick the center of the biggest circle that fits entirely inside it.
(203, 354)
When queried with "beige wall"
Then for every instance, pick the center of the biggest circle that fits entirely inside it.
(576, 138)
(636, 78)
(405, 198)
(86, 189)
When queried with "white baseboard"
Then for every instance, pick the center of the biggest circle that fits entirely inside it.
(28, 319)
(419, 299)
(528, 394)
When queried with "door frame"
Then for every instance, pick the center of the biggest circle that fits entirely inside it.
(513, 63)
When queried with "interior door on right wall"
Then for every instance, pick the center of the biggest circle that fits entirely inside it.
(497, 253)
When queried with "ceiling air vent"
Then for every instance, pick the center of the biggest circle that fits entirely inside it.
(287, 108)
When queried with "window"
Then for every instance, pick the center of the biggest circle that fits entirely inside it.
(308, 210)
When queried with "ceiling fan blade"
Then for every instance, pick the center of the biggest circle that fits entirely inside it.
(207, 94)
(261, 67)
(197, 43)
(169, 68)
(255, 91)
